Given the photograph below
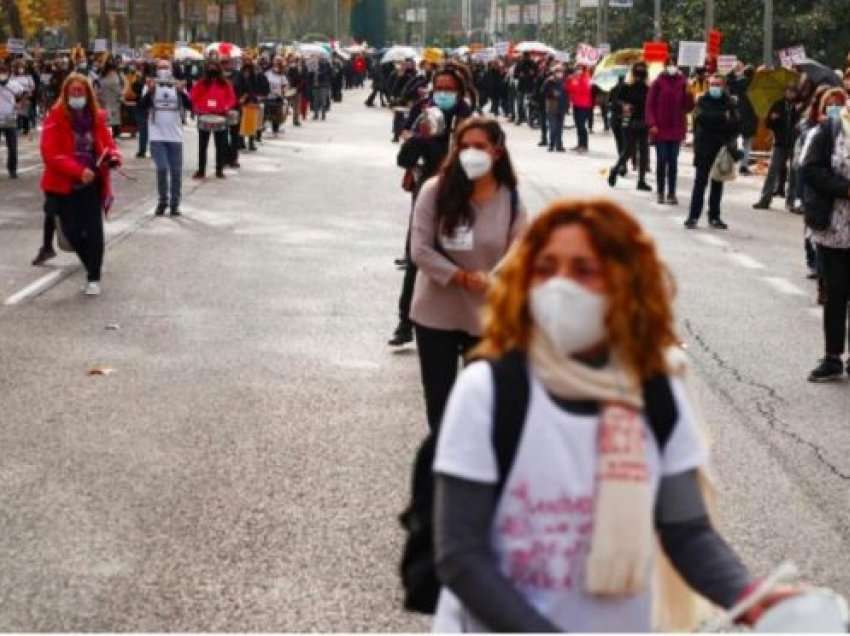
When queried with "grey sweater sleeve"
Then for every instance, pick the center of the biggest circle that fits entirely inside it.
(463, 518)
(698, 553)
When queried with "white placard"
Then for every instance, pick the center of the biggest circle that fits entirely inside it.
(512, 14)
(587, 54)
(792, 55)
(502, 48)
(725, 63)
(100, 45)
(692, 54)
(15, 45)
(604, 49)
(621, 4)
(531, 14)
(547, 11)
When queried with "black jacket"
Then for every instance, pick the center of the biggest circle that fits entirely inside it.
(784, 125)
(821, 184)
(738, 86)
(254, 87)
(635, 96)
(716, 124)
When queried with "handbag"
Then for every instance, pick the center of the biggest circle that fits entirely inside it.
(723, 168)
(408, 181)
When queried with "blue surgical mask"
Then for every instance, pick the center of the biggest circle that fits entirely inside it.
(445, 100)
(716, 91)
(77, 103)
(834, 112)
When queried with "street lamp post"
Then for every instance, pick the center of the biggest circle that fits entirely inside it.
(768, 33)
(657, 20)
(709, 17)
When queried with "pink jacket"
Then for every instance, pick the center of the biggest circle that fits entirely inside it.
(579, 90)
(667, 106)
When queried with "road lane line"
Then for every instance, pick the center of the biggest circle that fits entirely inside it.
(708, 239)
(745, 260)
(127, 224)
(40, 286)
(784, 286)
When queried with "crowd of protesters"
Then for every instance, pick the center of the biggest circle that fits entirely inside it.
(84, 107)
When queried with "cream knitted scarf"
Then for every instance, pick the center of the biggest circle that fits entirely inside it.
(622, 541)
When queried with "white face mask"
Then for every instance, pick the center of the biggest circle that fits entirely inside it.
(475, 163)
(672, 70)
(572, 317)
(77, 103)
(163, 74)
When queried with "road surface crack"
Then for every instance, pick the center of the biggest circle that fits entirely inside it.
(767, 406)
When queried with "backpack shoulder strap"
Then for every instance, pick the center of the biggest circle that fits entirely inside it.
(511, 391)
(661, 410)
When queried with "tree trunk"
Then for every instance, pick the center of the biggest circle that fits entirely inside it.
(80, 14)
(10, 8)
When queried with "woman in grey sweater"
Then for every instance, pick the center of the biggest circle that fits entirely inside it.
(464, 222)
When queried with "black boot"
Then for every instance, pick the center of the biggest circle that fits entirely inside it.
(403, 334)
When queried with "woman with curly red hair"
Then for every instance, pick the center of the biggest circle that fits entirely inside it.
(564, 453)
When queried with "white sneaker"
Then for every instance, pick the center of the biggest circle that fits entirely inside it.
(92, 289)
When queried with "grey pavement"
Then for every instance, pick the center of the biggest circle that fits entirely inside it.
(243, 467)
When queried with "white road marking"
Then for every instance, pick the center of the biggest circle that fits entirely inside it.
(708, 239)
(784, 286)
(746, 261)
(40, 286)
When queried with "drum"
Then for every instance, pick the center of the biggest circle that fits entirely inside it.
(233, 118)
(212, 123)
(251, 118)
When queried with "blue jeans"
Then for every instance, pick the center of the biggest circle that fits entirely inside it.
(581, 116)
(168, 157)
(667, 170)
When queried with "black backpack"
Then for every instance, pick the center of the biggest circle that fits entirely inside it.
(512, 395)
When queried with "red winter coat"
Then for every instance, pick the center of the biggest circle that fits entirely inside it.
(667, 105)
(580, 91)
(213, 97)
(359, 65)
(61, 170)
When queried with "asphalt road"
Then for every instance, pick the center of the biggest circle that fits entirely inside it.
(243, 466)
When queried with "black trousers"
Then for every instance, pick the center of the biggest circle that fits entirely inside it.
(11, 135)
(636, 140)
(234, 144)
(82, 224)
(49, 231)
(222, 152)
(619, 135)
(835, 272)
(440, 354)
(698, 195)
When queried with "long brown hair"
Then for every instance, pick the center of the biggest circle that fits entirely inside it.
(640, 288)
(455, 188)
(91, 99)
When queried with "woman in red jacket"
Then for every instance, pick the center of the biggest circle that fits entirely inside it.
(78, 151)
(581, 96)
(213, 95)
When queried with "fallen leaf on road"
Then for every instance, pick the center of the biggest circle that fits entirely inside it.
(101, 371)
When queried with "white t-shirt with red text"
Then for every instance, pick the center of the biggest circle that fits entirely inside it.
(544, 520)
